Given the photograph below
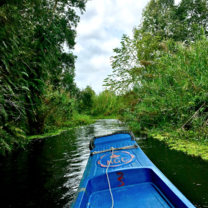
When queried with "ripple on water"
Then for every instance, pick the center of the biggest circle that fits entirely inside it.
(49, 172)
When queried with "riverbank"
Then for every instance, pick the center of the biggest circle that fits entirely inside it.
(187, 146)
(57, 164)
(76, 121)
(105, 117)
(81, 120)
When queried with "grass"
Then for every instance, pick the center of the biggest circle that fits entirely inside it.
(106, 117)
(106, 105)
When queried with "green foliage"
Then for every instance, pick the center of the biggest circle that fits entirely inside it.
(106, 104)
(181, 22)
(164, 69)
(86, 99)
(10, 137)
(80, 119)
(131, 60)
(75, 121)
(59, 112)
(175, 90)
(57, 108)
(32, 35)
(122, 64)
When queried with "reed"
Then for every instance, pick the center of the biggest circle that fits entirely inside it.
(106, 104)
(175, 91)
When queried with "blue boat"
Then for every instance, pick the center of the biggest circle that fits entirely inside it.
(120, 175)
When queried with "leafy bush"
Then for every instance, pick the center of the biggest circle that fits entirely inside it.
(86, 99)
(57, 108)
(106, 103)
(32, 33)
(173, 88)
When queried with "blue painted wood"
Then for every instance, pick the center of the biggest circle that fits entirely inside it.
(135, 181)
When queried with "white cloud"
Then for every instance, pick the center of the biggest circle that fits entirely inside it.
(98, 33)
(177, 2)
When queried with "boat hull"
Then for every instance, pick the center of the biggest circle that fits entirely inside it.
(134, 180)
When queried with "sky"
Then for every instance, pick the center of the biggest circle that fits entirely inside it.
(99, 31)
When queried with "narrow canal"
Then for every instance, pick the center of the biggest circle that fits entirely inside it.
(47, 174)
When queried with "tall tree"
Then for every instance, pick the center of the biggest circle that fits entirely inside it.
(131, 61)
(32, 35)
(180, 22)
(157, 17)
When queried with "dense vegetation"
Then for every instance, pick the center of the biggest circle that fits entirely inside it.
(158, 85)
(164, 68)
(34, 69)
(105, 104)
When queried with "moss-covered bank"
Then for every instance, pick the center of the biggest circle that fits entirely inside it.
(190, 147)
(76, 121)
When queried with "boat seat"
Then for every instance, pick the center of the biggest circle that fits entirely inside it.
(139, 187)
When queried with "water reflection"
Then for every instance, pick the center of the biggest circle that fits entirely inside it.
(188, 174)
(48, 173)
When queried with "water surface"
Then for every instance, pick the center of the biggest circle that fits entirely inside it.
(48, 173)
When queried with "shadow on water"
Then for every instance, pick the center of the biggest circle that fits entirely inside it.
(189, 174)
(48, 173)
